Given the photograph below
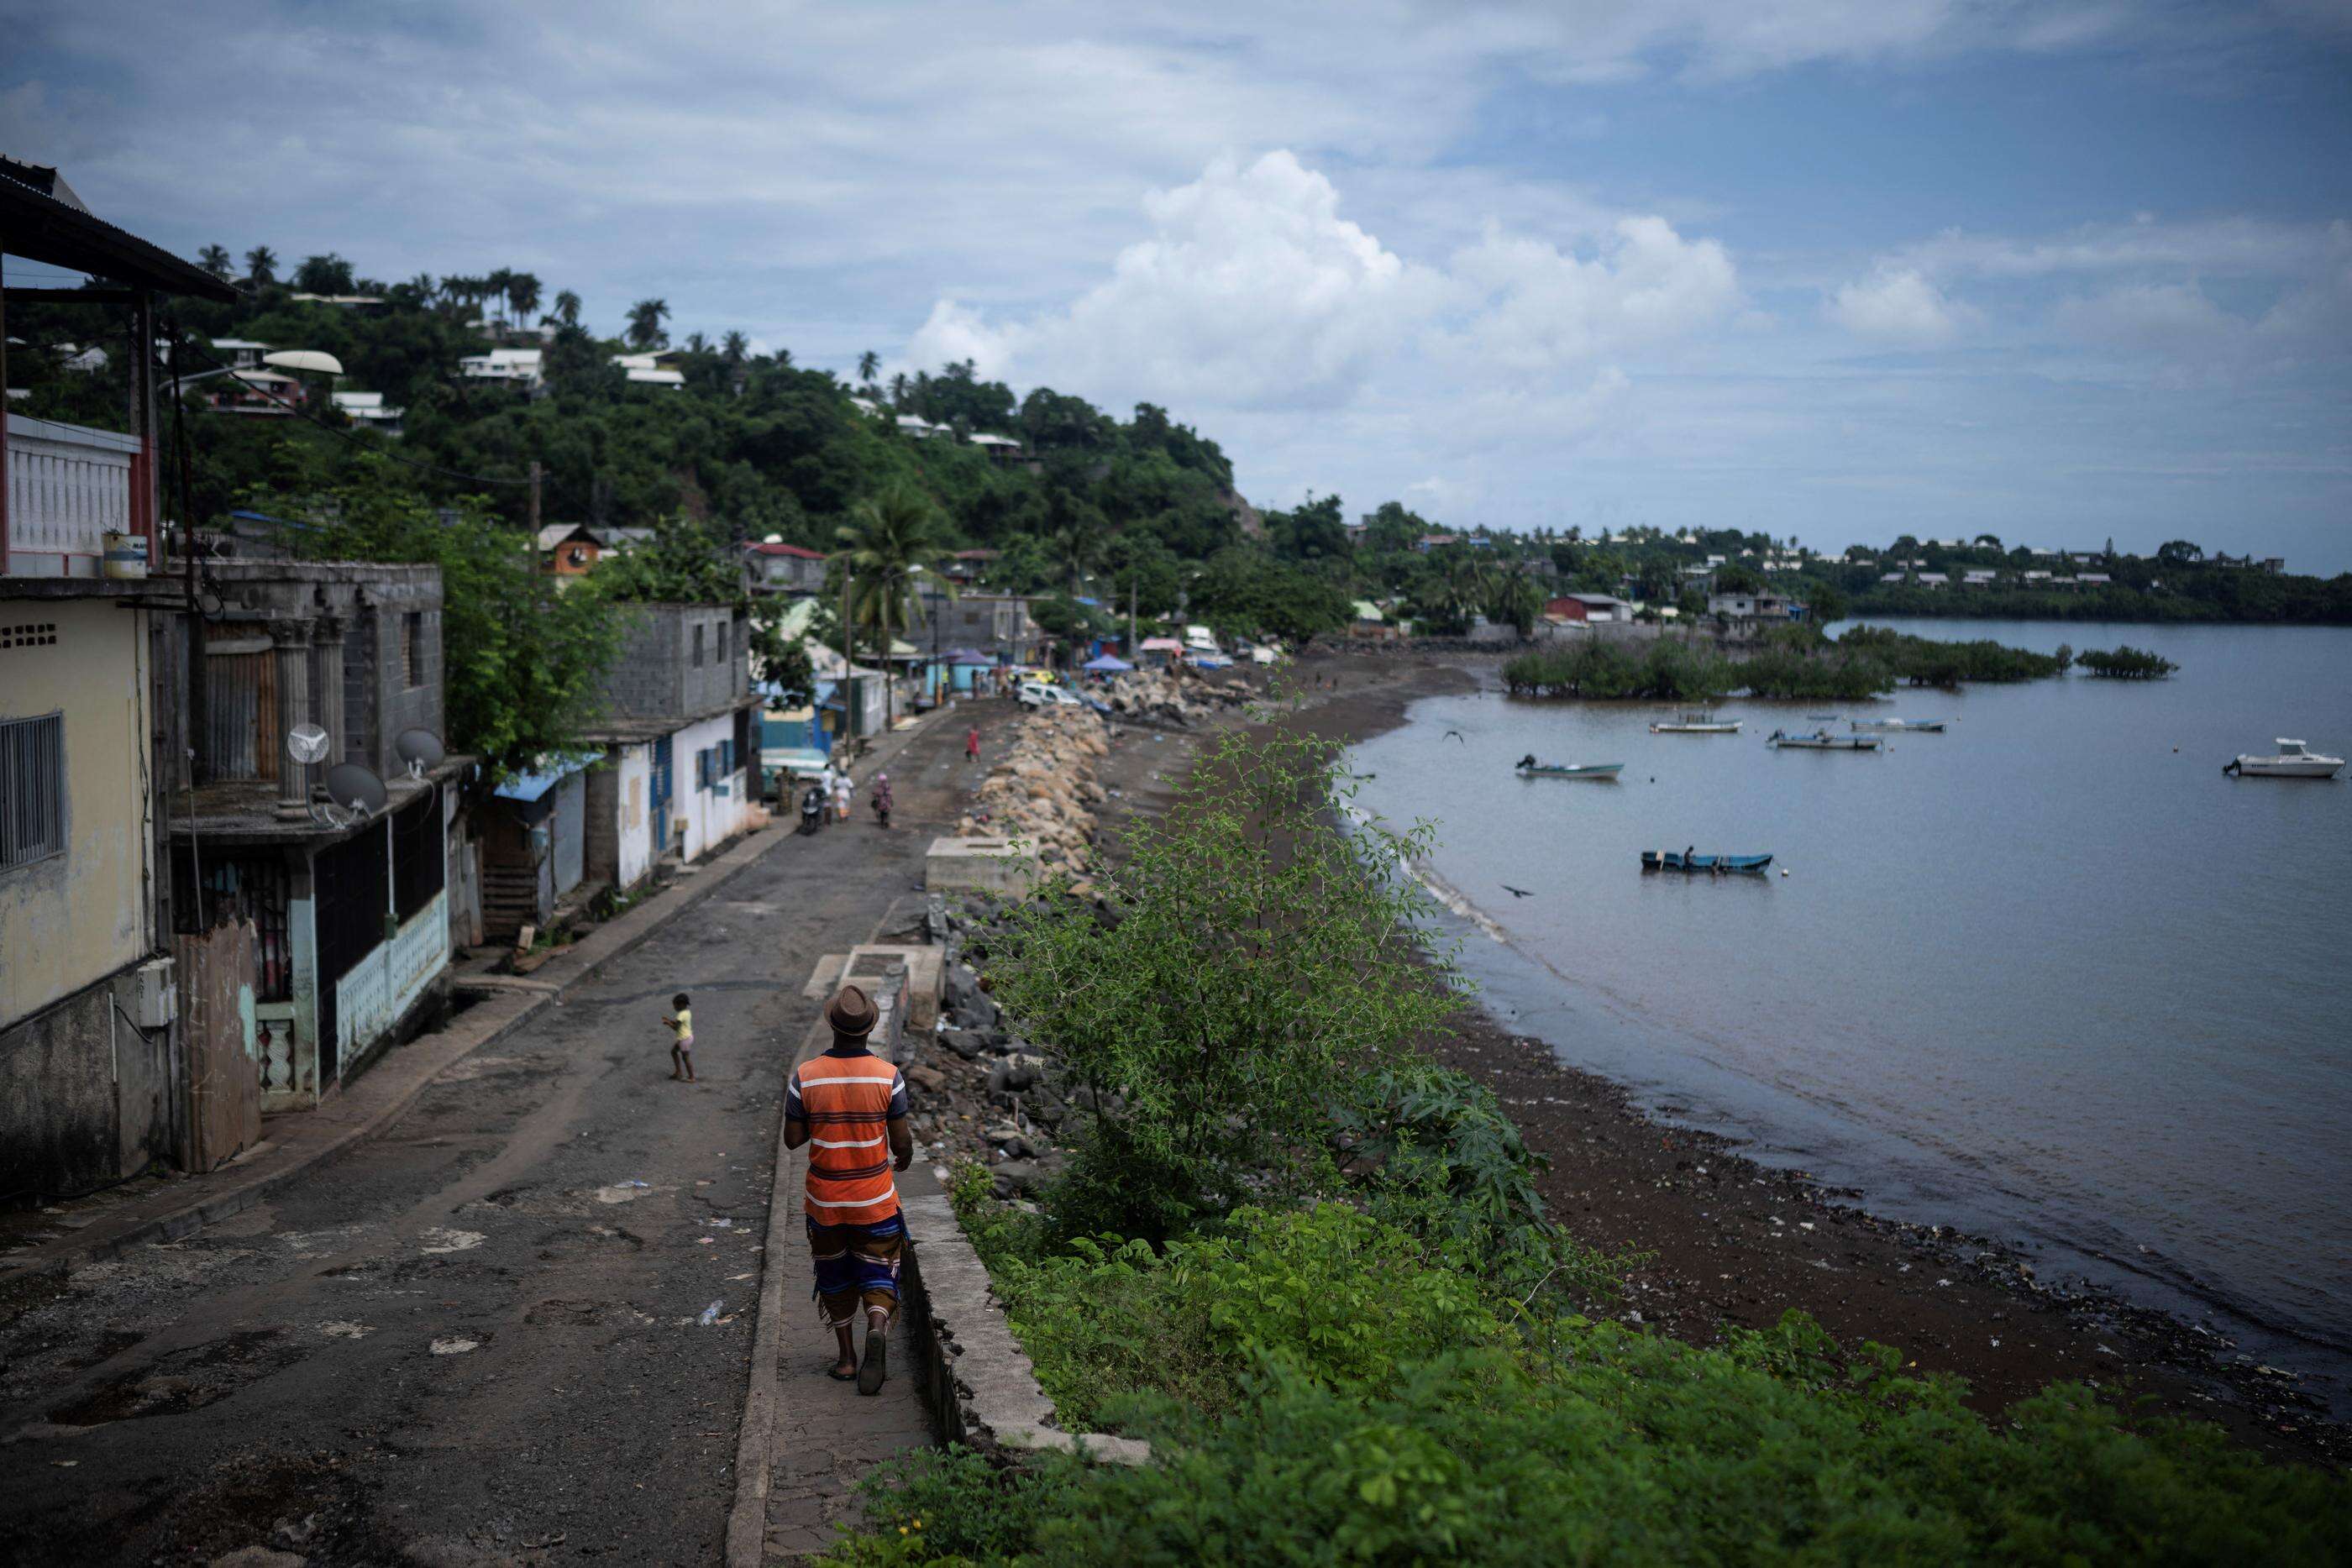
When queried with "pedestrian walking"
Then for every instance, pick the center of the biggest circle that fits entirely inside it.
(843, 795)
(856, 1233)
(971, 744)
(882, 799)
(681, 1044)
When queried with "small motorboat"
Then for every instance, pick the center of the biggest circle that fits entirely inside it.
(1718, 865)
(1906, 726)
(1529, 767)
(2294, 761)
(1696, 723)
(1821, 740)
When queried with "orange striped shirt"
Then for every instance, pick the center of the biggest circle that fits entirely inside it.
(848, 1102)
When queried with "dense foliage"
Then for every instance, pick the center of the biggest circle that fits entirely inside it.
(1200, 1031)
(2126, 664)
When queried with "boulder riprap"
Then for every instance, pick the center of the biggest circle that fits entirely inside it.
(1043, 790)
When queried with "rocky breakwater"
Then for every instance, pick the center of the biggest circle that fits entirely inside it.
(981, 1091)
(1043, 790)
(1168, 699)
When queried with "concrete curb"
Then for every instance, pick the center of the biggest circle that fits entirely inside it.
(983, 1386)
(755, 1438)
(405, 1073)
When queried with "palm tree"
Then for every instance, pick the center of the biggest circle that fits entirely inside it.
(214, 260)
(736, 347)
(1460, 590)
(899, 390)
(494, 287)
(261, 266)
(696, 343)
(567, 308)
(646, 318)
(867, 363)
(1516, 598)
(523, 294)
(889, 536)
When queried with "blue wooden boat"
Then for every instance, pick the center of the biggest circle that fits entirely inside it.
(1675, 860)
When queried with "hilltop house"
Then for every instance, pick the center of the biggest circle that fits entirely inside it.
(772, 566)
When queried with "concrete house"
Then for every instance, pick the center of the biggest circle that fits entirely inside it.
(349, 905)
(93, 1036)
(772, 566)
(679, 738)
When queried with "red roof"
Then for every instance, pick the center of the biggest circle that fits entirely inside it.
(978, 554)
(785, 549)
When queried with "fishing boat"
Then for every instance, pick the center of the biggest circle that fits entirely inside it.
(2294, 761)
(1821, 740)
(1906, 726)
(1697, 721)
(1529, 767)
(1680, 860)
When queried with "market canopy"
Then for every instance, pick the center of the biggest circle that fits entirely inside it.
(1106, 663)
(1162, 645)
(967, 659)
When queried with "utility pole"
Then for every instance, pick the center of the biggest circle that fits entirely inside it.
(534, 499)
(1131, 644)
(847, 661)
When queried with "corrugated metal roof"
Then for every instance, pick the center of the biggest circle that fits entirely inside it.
(554, 770)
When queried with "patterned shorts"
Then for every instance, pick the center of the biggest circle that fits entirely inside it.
(856, 1264)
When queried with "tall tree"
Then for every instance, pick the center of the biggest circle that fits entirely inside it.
(899, 390)
(494, 288)
(214, 260)
(261, 266)
(867, 363)
(328, 274)
(735, 346)
(646, 318)
(567, 308)
(889, 536)
(522, 295)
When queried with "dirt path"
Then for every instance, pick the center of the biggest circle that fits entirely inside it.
(476, 1337)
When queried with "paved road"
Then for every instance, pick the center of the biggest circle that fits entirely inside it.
(475, 1338)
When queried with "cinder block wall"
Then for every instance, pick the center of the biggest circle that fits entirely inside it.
(655, 676)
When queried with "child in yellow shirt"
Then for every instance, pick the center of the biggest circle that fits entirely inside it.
(681, 1048)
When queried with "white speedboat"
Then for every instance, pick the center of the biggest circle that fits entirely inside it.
(2294, 761)
(1696, 723)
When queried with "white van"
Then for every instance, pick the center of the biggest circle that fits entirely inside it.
(1044, 693)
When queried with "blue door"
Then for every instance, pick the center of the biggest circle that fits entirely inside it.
(661, 794)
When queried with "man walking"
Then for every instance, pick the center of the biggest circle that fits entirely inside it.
(857, 1101)
(971, 744)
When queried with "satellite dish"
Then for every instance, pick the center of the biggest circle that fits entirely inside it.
(421, 750)
(311, 359)
(357, 787)
(306, 744)
(774, 539)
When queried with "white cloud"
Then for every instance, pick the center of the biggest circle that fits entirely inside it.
(1252, 288)
(1534, 308)
(1896, 304)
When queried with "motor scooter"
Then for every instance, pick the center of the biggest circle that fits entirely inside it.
(812, 808)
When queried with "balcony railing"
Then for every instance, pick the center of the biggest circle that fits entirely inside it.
(69, 486)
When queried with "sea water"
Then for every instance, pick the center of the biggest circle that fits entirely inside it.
(2049, 976)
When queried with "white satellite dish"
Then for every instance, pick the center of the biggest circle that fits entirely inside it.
(421, 750)
(311, 359)
(356, 789)
(306, 744)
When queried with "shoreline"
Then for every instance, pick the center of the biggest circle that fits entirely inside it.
(1731, 1241)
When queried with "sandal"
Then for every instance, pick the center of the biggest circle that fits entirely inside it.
(840, 1376)
(877, 1362)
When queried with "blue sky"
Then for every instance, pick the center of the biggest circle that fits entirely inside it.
(1830, 268)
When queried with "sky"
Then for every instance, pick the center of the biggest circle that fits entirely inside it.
(1831, 269)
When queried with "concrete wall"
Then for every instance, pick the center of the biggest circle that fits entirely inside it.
(710, 816)
(84, 1096)
(656, 676)
(632, 821)
(67, 920)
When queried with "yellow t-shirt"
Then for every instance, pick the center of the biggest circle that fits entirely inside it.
(683, 1024)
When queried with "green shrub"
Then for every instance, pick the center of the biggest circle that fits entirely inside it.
(1450, 1167)
(1332, 1292)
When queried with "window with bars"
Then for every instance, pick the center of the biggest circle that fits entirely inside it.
(412, 649)
(32, 790)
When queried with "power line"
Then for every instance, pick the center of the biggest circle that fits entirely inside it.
(346, 435)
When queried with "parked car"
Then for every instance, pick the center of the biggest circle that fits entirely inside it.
(1040, 693)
